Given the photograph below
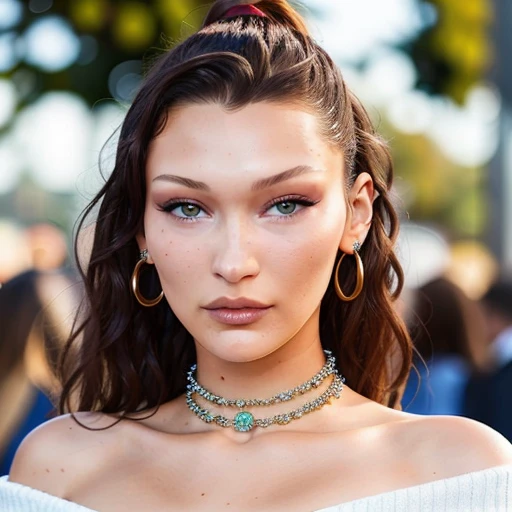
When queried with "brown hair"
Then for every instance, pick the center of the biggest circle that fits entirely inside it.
(448, 322)
(132, 358)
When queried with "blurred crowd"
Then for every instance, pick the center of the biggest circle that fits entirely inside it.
(463, 345)
(38, 297)
(463, 359)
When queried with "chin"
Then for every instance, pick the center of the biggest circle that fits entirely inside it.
(240, 347)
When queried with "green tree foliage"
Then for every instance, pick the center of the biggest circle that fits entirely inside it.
(456, 51)
(434, 189)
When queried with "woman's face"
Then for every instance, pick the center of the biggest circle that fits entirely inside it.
(247, 204)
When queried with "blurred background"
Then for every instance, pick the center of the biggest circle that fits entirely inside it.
(435, 75)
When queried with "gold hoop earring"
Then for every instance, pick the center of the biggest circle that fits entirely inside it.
(148, 303)
(360, 275)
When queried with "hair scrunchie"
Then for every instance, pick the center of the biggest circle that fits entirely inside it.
(242, 10)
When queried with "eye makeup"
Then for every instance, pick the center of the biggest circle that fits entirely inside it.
(174, 205)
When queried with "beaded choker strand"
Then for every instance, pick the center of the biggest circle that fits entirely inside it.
(245, 421)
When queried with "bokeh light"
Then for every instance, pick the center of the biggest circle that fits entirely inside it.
(412, 112)
(351, 31)
(423, 253)
(134, 26)
(51, 44)
(53, 135)
(88, 50)
(472, 267)
(39, 6)
(124, 80)
(9, 51)
(89, 15)
(11, 13)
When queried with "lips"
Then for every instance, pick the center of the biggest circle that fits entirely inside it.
(240, 311)
(238, 303)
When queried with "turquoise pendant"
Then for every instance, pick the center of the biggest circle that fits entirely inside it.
(243, 422)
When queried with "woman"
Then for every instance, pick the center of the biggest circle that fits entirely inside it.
(247, 180)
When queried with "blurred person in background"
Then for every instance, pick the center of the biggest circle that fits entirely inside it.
(47, 244)
(448, 332)
(39, 246)
(36, 309)
(488, 394)
(15, 251)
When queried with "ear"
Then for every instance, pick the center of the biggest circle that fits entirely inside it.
(141, 242)
(359, 212)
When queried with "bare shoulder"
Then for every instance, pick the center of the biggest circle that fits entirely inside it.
(453, 445)
(58, 454)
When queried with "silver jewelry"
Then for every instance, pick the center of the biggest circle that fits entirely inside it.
(143, 255)
(356, 246)
(328, 369)
(244, 421)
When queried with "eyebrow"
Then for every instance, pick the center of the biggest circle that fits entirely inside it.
(256, 186)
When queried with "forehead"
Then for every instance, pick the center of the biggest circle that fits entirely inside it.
(200, 139)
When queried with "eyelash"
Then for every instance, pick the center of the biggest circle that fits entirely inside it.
(300, 200)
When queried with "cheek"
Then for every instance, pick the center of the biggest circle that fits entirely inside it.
(317, 256)
(306, 261)
(176, 259)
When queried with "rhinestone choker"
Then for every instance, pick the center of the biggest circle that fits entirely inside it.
(245, 421)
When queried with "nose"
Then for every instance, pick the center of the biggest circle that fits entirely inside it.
(234, 257)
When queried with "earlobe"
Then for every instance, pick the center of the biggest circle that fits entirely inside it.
(351, 245)
(143, 248)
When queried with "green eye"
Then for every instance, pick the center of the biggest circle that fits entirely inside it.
(190, 210)
(286, 207)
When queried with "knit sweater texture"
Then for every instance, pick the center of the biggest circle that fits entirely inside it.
(489, 490)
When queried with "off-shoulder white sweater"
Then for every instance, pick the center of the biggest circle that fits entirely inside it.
(489, 490)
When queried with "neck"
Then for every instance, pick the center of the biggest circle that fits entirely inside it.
(284, 369)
